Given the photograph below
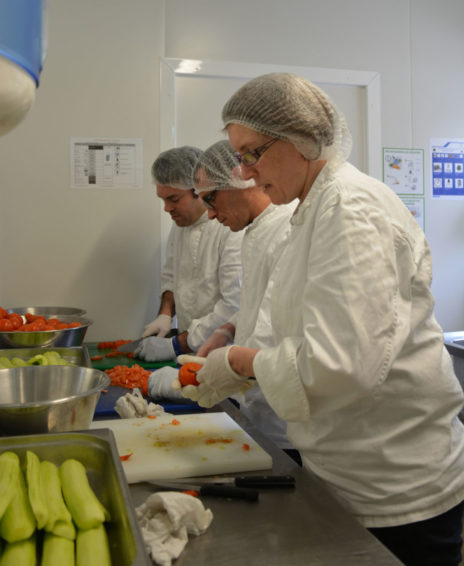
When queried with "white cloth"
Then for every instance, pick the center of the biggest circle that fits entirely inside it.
(166, 519)
(134, 405)
(203, 270)
(359, 369)
(262, 244)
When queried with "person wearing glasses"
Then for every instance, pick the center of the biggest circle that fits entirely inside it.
(358, 370)
(242, 205)
(200, 281)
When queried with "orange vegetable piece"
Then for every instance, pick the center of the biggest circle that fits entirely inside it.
(188, 374)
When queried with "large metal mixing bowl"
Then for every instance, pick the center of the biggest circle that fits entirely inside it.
(38, 399)
(65, 337)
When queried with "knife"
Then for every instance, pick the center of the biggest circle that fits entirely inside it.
(132, 346)
(270, 482)
(214, 490)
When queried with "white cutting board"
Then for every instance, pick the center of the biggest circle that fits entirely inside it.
(184, 446)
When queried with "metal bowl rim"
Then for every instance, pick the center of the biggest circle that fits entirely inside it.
(44, 404)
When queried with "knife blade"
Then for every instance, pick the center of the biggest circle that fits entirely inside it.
(214, 490)
(130, 346)
(270, 481)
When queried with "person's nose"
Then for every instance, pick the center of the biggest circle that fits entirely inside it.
(211, 213)
(168, 206)
(248, 172)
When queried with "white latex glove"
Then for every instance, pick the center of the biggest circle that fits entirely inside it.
(159, 327)
(155, 349)
(217, 380)
(218, 339)
(160, 384)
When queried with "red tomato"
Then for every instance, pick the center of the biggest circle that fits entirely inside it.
(3, 313)
(16, 320)
(188, 374)
(6, 325)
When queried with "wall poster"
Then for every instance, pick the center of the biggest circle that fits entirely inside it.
(403, 172)
(447, 174)
(102, 163)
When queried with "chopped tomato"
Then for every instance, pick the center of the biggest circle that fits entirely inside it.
(95, 358)
(125, 457)
(245, 447)
(175, 422)
(191, 492)
(16, 320)
(3, 313)
(130, 377)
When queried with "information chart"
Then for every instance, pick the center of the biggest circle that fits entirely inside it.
(106, 163)
(447, 175)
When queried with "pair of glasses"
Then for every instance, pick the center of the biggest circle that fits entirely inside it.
(251, 157)
(209, 199)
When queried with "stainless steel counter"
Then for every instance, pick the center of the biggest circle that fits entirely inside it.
(305, 526)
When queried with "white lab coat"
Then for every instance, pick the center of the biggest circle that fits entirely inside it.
(360, 371)
(203, 270)
(261, 246)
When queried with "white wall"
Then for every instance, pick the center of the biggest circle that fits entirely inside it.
(94, 248)
(415, 45)
(100, 249)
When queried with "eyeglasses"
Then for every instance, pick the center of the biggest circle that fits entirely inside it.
(209, 199)
(249, 158)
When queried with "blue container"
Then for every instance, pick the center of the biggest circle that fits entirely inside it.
(21, 34)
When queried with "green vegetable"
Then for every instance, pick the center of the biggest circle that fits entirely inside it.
(57, 551)
(21, 553)
(92, 547)
(9, 472)
(18, 362)
(59, 520)
(18, 521)
(84, 506)
(35, 489)
(5, 363)
(54, 359)
(38, 360)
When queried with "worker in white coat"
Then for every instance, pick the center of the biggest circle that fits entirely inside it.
(200, 282)
(240, 205)
(359, 370)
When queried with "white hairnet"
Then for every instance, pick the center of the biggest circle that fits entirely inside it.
(218, 169)
(289, 107)
(174, 167)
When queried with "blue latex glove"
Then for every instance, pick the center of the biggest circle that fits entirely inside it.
(156, 349)
(160, 384)
(217, 380)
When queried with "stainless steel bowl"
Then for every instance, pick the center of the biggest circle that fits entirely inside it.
(48, 312)
(65, 337)
(38, 399)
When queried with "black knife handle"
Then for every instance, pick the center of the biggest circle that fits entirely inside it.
(228, 491)
(272, 482)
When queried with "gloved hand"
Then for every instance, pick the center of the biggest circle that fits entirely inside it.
(155, 349)
(159, 327)
(160, 384)
(218, 339)
(217, 380)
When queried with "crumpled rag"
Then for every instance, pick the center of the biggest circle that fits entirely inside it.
(166, 519)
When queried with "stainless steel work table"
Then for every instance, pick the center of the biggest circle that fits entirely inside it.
(305, 526)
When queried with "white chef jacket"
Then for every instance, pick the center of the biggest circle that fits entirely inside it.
(360, 371)
(203, 270)
(262, 243)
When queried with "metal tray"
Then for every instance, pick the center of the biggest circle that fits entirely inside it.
(97, 450)
(77, 355)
